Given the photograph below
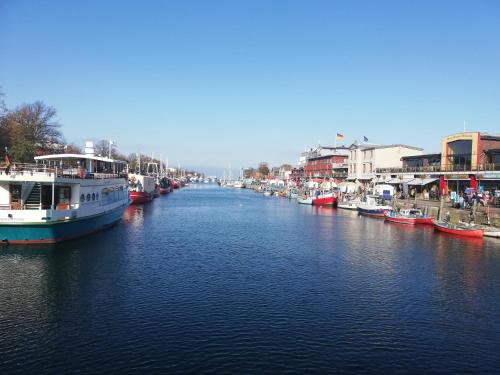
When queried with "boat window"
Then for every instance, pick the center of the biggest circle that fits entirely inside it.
(82, 198)
(88, 197)
(97, 196)
(93, 196)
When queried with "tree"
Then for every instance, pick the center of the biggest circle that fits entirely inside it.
(286, 167)
(263, 169)
(30, 129)
(249, 172)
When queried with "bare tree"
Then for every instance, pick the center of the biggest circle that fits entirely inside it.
(31, 128)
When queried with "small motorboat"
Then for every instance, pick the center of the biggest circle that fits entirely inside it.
(464, 230)
(402, 217)
(373, 206)
(420, 218)
(268, 192)
(348, 205)
(305, 200)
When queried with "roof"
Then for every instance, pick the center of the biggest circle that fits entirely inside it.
(490, 137)
(395, 145)
(328, 156)
(421, 156)
(78, 156)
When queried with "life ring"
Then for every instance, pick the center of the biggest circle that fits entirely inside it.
(83, 172)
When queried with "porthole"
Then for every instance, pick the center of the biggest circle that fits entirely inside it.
(82, 198)
(88, 197)
(97, 196)
(93, 196)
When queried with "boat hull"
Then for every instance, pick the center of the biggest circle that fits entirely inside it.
(347, 206)
(379, 212)
(325, 201)
(37, 233)
(139, 197)
(472, 233)
(424, 220)
(305, 201)
(400, 219)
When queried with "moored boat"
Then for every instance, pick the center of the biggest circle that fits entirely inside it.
(305, 200)
(348, 205)
(373, 206)
(142, 188)
(327, 199)
(459, 230)
(62, 197)
(403, 217)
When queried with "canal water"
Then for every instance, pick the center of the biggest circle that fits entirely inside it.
(211, 280)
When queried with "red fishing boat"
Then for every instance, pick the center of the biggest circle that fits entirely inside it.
(459, 230)
(327, 199)
(141, 188)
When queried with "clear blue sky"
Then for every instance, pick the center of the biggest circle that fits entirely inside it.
(208, 83)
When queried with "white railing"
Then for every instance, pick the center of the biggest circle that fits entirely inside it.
(24, 169)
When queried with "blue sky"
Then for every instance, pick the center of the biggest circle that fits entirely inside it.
(208, 83)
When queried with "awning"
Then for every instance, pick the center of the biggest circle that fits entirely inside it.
(420, 182)
(399, 181)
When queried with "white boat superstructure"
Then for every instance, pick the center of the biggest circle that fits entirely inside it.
(61, 189)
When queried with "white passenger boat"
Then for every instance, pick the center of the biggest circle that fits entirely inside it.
(62, 196)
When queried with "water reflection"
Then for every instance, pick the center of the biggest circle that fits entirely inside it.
(210, 278)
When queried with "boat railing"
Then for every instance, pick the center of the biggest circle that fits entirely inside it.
(26, 169)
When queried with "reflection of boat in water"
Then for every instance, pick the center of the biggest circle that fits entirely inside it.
(464, 230)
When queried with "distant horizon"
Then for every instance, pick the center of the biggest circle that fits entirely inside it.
(212, 84)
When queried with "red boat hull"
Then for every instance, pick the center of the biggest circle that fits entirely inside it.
(401, 220)
(424, 220)
(163, 191)
(140, 197)
(327, 201)
(475, 233)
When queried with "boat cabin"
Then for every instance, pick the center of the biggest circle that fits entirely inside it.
(57, 182)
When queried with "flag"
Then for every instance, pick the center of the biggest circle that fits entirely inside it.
(340, 137)
(365, 139)
(8, 161)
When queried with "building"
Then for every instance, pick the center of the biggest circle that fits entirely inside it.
(467, 160)
(425, 163)
(326, 162)
(470, 159)
(365, 161)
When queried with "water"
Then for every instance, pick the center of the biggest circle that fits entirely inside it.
(209, 280)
